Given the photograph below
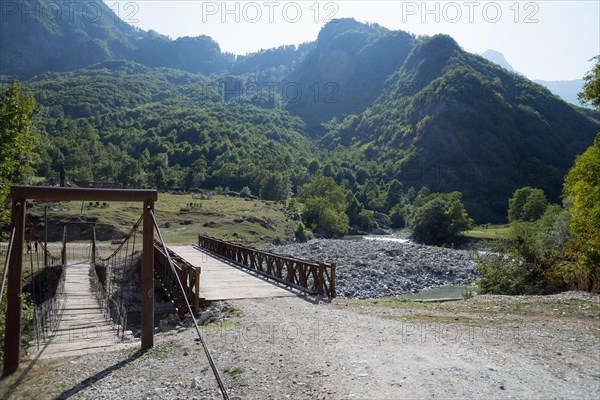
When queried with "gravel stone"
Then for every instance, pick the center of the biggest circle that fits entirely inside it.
(377, 268)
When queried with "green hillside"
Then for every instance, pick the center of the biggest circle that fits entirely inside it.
(450, 120)
(383, 112)
(145, 127)
(346, 70)
(62, 35)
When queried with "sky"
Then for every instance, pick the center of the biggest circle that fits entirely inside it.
(548, 39)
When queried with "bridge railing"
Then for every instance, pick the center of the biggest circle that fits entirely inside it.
(53, 284)
(310, 277)
(46, 285)
(105, 274)
(188, 274)
(113, 309)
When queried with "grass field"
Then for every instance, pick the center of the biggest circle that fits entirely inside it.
(181, 217)
(489, 232)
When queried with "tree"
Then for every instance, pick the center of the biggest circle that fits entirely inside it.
(16, 141)
(372, 196)
(195, 175)
(397, 216)
(275, 186)
(314, 167)
(527, 204)
(245, 192)
(582, 187)
(353, 209)
(591, 88)
(581, 191)
(301, 234)
(325, 204)
(394, 194)
(366, 221)
(333, 222)
(440, 219)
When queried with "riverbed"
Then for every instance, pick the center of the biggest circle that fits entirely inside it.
(375, 267)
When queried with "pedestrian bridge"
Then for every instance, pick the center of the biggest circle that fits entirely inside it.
(224, 281)
(80, 297)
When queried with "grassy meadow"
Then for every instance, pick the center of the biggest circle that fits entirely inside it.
(490, 232)
(181, 217)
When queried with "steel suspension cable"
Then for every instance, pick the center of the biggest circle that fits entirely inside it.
(40, 291)
(35, 319)
(200, 337)
(37, 238)
(11, 242)
(133, 230)
(130, 277)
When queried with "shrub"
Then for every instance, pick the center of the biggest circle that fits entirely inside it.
(578, 277)
(529, 262)
(501, 274)
(301, 234)
(245, 192)
(27, 323)
(365, 220)
(440, 219)
(397, 217)
(527, 204)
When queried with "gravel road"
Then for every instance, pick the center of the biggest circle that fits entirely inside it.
(487, 347)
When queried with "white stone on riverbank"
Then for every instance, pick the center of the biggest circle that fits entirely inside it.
(377, 268)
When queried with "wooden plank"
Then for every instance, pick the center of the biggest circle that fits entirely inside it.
(83, 327)
(221, 281)
(82, 194)
(70, 351)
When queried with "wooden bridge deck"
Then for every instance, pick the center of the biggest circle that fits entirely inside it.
(222, 281)
(82, 326)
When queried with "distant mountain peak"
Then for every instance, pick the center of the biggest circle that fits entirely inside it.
(338, 26)
(565, 89)
(498, 58)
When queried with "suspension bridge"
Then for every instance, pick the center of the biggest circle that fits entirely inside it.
(82, 293)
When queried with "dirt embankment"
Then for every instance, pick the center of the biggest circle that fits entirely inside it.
(78, 228)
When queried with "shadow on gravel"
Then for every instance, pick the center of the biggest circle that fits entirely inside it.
(100, 375)
(314, 299)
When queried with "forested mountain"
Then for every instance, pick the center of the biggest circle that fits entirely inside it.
(346, 70)
(40, 36)
(451, 120)
(362, 104)
(164, 128)
(283, 57)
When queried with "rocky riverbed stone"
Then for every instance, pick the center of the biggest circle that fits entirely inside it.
(377, 268)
